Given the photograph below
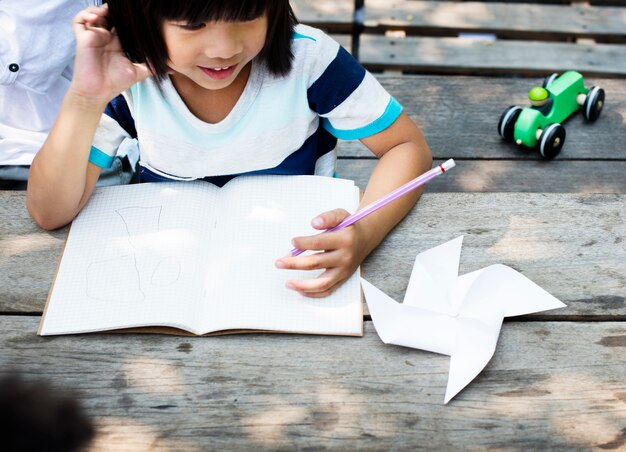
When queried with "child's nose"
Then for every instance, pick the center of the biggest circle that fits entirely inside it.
(224, 41)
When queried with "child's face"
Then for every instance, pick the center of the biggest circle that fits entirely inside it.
(213, 54)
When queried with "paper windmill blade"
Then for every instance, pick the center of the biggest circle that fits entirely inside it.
(459, 316)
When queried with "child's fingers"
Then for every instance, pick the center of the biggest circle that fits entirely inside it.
(329, 219)
(325, 241)
(93, 16)
(90, 30)
(98, 10)
(311, 285)
(323, 294)
(321, 286)
(315, 261)
(91, 36)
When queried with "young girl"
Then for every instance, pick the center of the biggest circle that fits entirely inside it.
(212, 89)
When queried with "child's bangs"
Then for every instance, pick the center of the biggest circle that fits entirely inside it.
(197, 11)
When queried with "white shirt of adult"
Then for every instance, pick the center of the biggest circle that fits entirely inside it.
(37, 50)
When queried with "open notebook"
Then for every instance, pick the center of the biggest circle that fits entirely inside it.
(199, 259)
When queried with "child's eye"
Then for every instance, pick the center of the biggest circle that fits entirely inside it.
(192, 26)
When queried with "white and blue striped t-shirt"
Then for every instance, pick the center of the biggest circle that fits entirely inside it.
(279, 125)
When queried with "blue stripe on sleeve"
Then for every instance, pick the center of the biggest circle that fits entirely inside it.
(391, 113)
(101, 159)
(118, 110)
(297, 35)
(342, 76)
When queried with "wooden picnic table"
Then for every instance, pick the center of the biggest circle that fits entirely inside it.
(557, 379)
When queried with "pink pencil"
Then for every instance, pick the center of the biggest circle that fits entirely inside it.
(400, 191)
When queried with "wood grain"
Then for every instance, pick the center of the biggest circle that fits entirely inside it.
(459, 116)
(538, 21)
(556, 381)
(571, 245)
(549, 386)
(334, 16)
(484, 176)
(28, 256)
(475, 57)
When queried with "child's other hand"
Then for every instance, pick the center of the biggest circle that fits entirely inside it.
(101, 69)
(341, 252)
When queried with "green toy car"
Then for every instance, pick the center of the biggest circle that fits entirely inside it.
(540, 125)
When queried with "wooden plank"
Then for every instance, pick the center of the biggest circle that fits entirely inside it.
(335, 16)
(344, 40)
(28, 256)
(572, 245)
(488, 176)
(459, 117)
(474, 57)
(506, 20)
(548, 386)
(557, 2)
(606, 2)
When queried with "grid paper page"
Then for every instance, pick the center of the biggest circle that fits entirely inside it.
(259, 217)
(132, 259)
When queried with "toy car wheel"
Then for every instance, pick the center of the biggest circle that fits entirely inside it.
(593, 103)
(506, 125)
(551, 141)
(549, 79)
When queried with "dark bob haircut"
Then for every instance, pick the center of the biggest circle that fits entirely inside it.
(139, 26)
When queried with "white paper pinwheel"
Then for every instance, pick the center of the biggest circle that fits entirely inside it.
(459, 316)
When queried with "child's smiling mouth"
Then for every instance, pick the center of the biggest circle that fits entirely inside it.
(219, 73)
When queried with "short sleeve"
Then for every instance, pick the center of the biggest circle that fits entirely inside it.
(36, 41)
(116, 125)
(352, 103)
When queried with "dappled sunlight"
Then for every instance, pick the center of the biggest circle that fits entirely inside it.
(157, 376)
(306, 9)
(430, 50)
(517, 245)
(119, 434)
(338, 410)
(443, 14)
(23, 244)
(395, 12)
(460, 15)
(334, 410)
(269, 426)
(487, 177)
(600, 187)
(169, 241)
(603, 419)
(597, 409)
(271, 213)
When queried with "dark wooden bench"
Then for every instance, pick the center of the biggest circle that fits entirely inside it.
(459, 115)
(554, 379)
(424, 36)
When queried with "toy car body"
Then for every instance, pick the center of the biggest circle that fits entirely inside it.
(541, 125)
(563, 92)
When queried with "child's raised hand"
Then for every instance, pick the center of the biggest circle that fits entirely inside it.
(101, 69)
(341, 252)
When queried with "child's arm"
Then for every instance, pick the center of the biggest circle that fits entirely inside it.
(61, 179)
(403, 155)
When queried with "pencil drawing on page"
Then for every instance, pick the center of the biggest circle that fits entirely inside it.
(127, 278)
